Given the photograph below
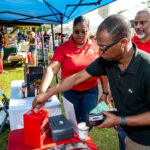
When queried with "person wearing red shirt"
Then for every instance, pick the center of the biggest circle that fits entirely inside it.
(142, 29)
(73, 56)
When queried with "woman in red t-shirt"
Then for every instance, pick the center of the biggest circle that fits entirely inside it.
(73, 56)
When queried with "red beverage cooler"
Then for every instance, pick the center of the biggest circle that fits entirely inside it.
(36, 127)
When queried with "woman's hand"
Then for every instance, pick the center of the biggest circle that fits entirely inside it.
(103, 98)
(109, 97)
(111, 120)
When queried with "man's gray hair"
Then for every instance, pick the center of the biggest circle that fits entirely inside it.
(145, 10)
(117, 26)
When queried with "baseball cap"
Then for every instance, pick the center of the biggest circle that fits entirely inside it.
(66, 34)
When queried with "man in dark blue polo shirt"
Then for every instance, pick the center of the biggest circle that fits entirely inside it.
(128, 71)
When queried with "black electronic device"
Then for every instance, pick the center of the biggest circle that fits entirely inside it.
(33, 77)
(95, 119)
(36, 70)
(60, 128)
(33, 81)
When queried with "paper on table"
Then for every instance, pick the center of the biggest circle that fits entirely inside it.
(70, 114)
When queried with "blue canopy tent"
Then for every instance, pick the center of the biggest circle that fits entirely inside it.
(46, 11)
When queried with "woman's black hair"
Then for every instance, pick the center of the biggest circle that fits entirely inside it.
(81, 19)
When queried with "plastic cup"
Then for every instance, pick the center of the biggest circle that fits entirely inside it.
(83, 131)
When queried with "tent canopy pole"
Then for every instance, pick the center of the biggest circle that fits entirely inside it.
(61, 29)
(53, 37)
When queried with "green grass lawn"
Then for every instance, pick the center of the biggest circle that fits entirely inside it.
(105, 139)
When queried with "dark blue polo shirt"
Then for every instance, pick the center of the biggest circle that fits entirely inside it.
(130, 89)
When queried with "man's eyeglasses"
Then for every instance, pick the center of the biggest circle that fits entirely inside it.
(82, 31)
(104, 48)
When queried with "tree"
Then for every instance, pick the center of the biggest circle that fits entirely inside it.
(121, 11)
(147, 2)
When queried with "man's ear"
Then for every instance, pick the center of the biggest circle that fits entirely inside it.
(124, 42)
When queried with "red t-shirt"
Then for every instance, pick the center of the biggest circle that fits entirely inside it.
(143, 46)
(74, 59)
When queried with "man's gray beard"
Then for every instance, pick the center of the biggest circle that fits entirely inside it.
(141, 36)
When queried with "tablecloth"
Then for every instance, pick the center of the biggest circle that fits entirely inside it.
(16, 142)
(18, 106)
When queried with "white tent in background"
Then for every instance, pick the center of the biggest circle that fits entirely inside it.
(94, 18)
(130, 13)
(67, 28)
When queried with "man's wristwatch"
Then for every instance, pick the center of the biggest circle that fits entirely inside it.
(106, 93)
(123, 121)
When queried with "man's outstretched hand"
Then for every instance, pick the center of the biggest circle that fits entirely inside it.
(39, 101)
(111, 120)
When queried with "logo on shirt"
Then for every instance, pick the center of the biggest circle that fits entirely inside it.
(130, 91)
(91, 51)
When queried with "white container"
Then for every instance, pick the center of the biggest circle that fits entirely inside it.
(83, 131)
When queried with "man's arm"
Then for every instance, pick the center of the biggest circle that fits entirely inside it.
(51, 70)
(112, 120)
(139, 120)
(65, 85)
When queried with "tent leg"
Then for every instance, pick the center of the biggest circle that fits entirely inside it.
(43, 44)
(53, 37)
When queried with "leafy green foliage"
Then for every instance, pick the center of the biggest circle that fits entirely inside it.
(121, 11)
(38, 29)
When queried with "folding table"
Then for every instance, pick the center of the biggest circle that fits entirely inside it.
(18, 105)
